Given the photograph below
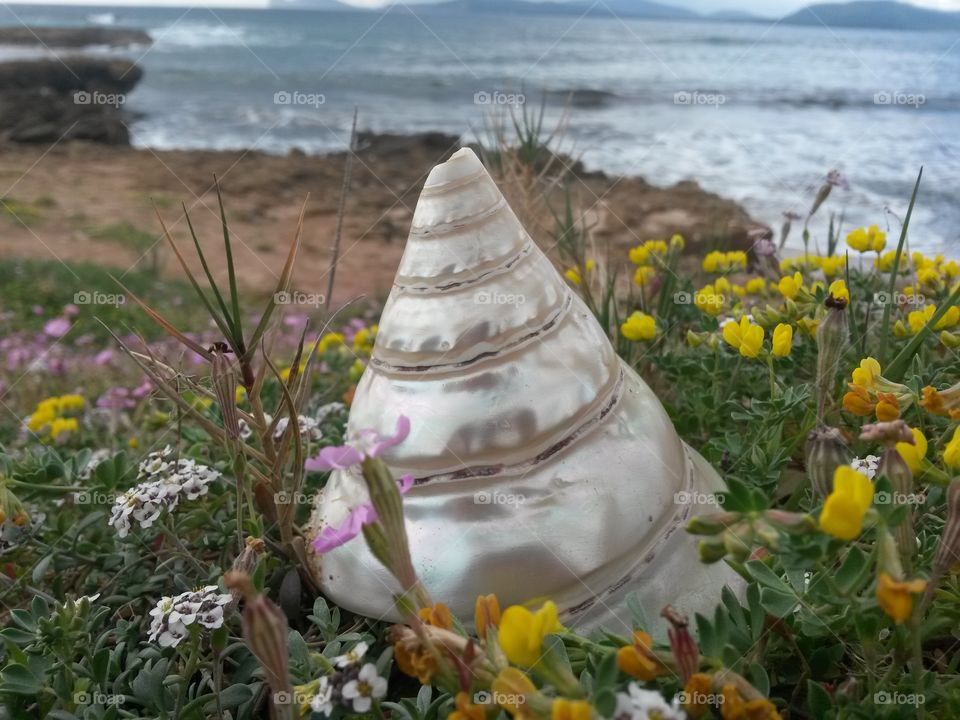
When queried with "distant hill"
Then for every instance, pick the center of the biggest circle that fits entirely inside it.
(620, 8)
(880, 14)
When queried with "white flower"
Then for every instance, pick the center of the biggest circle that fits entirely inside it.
(309, 428)
(368, 687)
(640, 704)
(322, 702)
(172, 616)
(352, 656)
(96, 459)
(164, 481)
(325, 411)
(867, 465)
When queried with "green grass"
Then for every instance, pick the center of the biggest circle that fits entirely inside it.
(24, 213)
(123, 233)
(51, 284)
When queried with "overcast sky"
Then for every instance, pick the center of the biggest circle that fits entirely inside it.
(767, 8)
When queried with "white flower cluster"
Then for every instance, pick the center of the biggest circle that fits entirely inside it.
(354, 686)
(640, 704)
(164, 481)
(866, 465)
(174, 615)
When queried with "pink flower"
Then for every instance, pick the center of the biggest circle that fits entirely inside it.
(70, 310)
(360, 445)
(103, 357)
(58, 327)
(331, 537)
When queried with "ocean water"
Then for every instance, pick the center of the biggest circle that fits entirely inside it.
(756, 112)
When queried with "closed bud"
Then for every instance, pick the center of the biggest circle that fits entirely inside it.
(713, 523)
(766, 534)
(796, 523)
(822, 194)
(948, 549)
(826, 451)
(832, 336)
(738, 540)
(950, 340)
(711, 550)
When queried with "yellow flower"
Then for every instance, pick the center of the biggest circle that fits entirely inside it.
(240, 394)
(914, 454)
(573, 274)
(755, 286)
(639, 326)
(843, 511)
(438, 616)
(356, 370)
(884, 262)
(866, 375)
(60, 428)
(133, 443)
(328, 341)
(744, 336)
(708, 300)
(895, 597)
(639, 255)
(643, 275)
(677, 242)
(511, 688)
(789, 287)
(364, 339)
(867, 239)
(918, 319)
(637, 660)
(656, 247)
(782, 340)
(522, 632)
(563, 709)
(718, 261)
(951, 453)
(838, 290)
(831, 265)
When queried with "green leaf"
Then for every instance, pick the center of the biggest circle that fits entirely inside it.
(818, 700)
(758, 678)
(777, 603)
(850, 575)
(606, 671)
(18, 680)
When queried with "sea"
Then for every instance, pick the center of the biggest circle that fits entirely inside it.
(758, 112)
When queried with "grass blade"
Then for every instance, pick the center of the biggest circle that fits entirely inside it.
(888, 307)
(231, 271)
(206, 270)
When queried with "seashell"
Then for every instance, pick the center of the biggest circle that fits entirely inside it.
(545, 467)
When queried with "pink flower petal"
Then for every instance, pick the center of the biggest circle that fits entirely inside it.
(403, 429)
(334, 458)
(57, 327)
(406, 482)
(331, 538)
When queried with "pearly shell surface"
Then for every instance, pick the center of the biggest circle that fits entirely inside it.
(545, 467)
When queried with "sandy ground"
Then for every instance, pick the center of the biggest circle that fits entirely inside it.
(80, 202)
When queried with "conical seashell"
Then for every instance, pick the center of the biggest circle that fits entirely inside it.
(545, 467)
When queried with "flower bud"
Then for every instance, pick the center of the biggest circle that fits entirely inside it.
(225, 388)
(826, 451)
(832, 335)
(948, 549)
(766, 534)
(682, 643)
(796, 523)
(738, 540)
(712, 523)
(711, 550)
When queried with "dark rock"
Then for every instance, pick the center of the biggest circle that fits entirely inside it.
(73, 37)
(74, 98)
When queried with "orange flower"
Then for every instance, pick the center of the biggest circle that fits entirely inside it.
(638, 660)
(512, 691)
(439, 616)
(895, 596)
(887, 407)
(734, 707)
(563, 709)
(695, 692)
(418, 662)
(467, 710)
(858, 402)
(946, 402)
(486, 613)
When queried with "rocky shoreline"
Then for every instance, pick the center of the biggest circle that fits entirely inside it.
(68, 95)
(79, 193)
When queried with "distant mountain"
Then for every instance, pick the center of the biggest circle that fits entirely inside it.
(311, 5)
(620, 8)
(735, 16)
(879, 14)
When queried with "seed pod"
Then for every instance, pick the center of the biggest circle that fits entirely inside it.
(832, 335)
(225, 388)
(826, 451)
